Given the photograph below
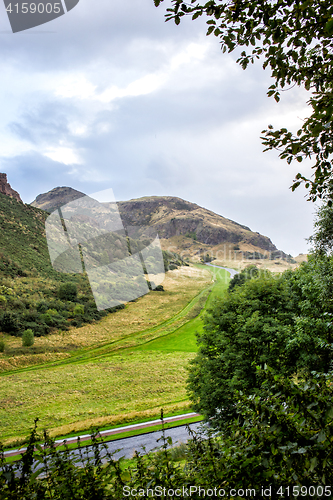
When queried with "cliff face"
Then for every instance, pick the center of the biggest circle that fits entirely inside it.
(5, 188)
(172, 218)
(175, 217)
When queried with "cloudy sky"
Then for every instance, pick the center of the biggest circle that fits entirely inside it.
(111, 96)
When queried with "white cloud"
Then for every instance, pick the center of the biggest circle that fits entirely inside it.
(75, 86)
(63, 155)
(117, 98)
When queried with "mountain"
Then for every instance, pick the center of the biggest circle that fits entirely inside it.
(184, 226)
(55, 198)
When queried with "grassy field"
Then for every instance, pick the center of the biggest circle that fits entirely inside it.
(126, 367)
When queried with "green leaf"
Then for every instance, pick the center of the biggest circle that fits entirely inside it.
(329, 27)
(313, 463)
(321, 436)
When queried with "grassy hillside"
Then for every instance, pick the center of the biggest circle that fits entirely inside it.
(97, 374)
(31, 291)
(23, 248)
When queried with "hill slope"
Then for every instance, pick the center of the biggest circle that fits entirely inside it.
(23, 244)
(181, 225)
(174, 217)
(55, 198)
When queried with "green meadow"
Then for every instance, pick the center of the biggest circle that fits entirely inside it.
(127, 379)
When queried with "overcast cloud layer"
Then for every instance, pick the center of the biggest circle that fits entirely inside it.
(109, 95)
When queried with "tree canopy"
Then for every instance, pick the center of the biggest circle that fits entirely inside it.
(281, 323)
(294, 39)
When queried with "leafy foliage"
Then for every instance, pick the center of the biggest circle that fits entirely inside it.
(250, 327)
(294, 39)
(245, 275)
(322, 240)
(67, 291)
(284, 439)
(284, 323)
(28, 338)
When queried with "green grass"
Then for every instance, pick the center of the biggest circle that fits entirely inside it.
(102, 388)
(184, 338)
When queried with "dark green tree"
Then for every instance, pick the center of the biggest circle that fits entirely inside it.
(284, 324)
(67, 291)
(246, 274)
(294, 40)
(322, 240)
(249, 328)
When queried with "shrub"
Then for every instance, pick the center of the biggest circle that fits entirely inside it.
(78, 310)
(159, 288)
(172, 267)
(9, 323)
(42, 306)
(2, 346)
(28, 338)
(67, 291)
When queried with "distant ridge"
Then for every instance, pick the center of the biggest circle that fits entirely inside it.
(190, 228)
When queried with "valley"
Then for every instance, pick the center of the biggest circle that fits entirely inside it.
(90, 368)
(126, 367)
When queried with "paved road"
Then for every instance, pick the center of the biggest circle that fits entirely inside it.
(232, 272)
(126, 447)
(111, 432)
(149, 441)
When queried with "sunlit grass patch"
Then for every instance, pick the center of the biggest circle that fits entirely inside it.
(121, 384)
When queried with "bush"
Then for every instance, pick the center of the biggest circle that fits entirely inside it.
(78, 310)
(9, 323)
(67, 291)
(42, 306)
(2, 346)
(28, 338)
(172, 267)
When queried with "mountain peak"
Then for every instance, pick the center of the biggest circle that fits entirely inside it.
(54, 199)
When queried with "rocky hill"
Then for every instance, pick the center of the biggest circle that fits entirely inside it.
(181, 225)
(55, 198)
(176, 217)
(5, 188)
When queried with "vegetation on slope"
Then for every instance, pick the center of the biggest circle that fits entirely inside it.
(31, 291)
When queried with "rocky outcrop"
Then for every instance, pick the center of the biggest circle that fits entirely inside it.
(172, 216)
(5, 188)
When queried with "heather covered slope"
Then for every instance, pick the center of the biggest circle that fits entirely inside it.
(23, 246)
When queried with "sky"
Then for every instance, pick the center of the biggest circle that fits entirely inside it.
(110, 96)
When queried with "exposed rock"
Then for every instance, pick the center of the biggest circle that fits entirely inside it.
(172, 218)
(5, 188)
